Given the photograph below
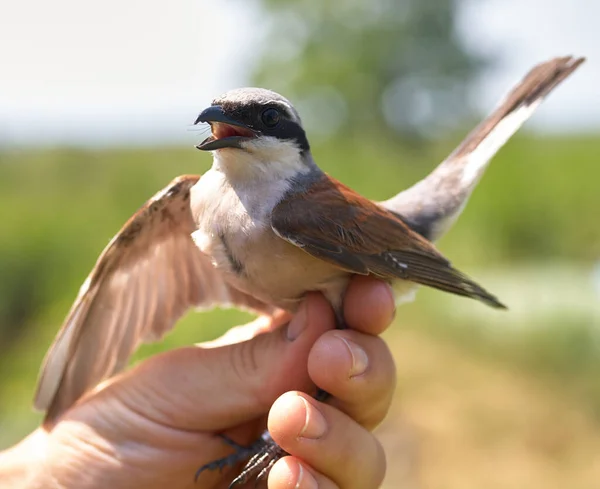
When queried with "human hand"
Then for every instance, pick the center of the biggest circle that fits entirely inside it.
(154, 425)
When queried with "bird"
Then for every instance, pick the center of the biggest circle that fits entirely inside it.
(260, 229)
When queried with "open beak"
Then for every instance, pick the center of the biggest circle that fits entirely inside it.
(226, 132)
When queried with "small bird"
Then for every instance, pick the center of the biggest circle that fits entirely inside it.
(261, 228)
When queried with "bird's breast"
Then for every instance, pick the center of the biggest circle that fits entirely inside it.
(234, 229)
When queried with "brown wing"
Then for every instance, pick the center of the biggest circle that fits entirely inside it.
(147, 277)
(332, 222)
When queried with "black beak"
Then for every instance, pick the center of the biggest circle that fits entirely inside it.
(215, 114)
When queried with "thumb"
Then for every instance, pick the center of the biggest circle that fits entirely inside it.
(211, 389)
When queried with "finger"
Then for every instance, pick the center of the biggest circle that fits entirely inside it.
(291, 473)
(369, 305)
(213, 389)
(358, 371)
(245, 332)
(327, 440)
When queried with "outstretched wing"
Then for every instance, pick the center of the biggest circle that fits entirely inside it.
(147, 277)
(332, 222)
(432, 205)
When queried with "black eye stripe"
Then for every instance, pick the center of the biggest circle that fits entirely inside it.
(251, 114)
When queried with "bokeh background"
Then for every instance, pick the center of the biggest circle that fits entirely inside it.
(96, 105)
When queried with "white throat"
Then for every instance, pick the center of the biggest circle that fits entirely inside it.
(263, 161)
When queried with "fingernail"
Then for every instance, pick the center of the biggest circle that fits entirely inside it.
(298, 323)
(360, 360)
(315, 425)
(306, 480)
(392, 299)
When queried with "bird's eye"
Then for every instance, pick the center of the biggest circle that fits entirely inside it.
(270, 117)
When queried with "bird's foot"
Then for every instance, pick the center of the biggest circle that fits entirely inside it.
(263, 454)
(241, 453)
(259, 466)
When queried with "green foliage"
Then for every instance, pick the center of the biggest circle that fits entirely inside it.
(383, 65)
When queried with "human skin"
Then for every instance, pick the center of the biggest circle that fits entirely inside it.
(155, 424)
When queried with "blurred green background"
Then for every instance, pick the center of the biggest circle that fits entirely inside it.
(485, 398)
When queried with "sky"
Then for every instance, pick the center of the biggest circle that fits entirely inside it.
(119, 72)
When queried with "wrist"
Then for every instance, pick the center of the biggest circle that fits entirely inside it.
(22, 466)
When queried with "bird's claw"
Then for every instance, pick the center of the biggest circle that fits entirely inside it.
(263, 454)
(241, 453)
(261, 462)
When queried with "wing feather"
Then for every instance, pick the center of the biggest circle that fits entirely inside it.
(147, 277)
(432, 205)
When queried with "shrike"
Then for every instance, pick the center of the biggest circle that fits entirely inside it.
(261, 228)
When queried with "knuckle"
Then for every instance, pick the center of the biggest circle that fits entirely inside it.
(243, 360)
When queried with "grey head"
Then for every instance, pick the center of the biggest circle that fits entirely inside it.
(243, 114)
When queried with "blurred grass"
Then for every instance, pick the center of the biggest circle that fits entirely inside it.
(530, 234)
(465, 421)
